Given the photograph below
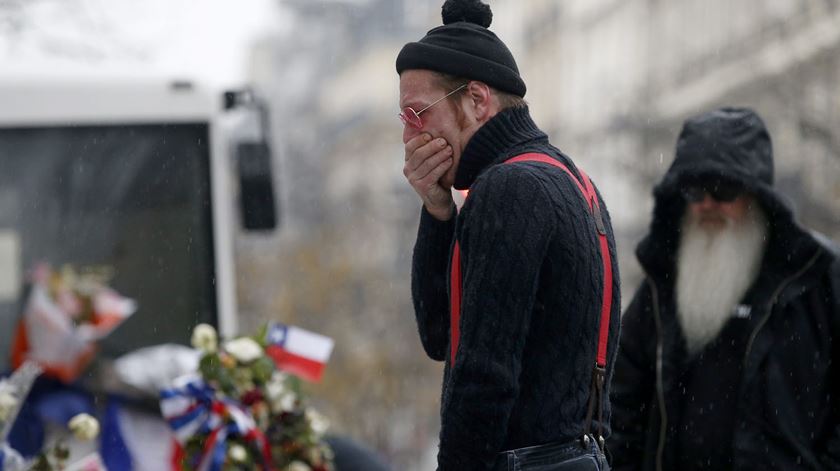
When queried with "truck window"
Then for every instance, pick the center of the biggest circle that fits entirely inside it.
(134, 198)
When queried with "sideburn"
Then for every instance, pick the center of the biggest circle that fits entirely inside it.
(460, 116)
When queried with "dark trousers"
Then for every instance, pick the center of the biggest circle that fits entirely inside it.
(569, 456)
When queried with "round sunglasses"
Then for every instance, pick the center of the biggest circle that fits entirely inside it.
(409, 117)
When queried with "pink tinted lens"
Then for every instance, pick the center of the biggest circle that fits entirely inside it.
(410, 117)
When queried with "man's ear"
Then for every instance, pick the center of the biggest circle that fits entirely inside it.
(481, 98)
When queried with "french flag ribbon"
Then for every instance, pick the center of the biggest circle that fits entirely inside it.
(215, 450)
(194, 409)
(187, 409)
(298, 351)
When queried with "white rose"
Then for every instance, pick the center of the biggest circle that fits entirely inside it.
(274, 391)
(298, 466)
(275, 387)
(204, 338)
(318, 422)
(8, 404)
(84, 427)
(286, 402)
(244, 349)
(238, 453)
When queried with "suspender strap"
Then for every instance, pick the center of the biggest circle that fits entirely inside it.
(455, 301)
(587, 190)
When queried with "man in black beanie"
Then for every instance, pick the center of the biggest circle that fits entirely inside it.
(518, 291)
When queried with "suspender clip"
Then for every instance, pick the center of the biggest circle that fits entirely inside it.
(599, 219)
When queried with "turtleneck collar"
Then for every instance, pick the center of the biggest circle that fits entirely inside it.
(510, 129)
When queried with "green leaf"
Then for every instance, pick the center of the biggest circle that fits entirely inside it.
(210, 367)
(262, 369)
(262, 336)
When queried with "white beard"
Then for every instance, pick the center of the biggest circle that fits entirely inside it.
(715, 268)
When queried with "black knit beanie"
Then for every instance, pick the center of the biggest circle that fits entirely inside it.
(464, 47)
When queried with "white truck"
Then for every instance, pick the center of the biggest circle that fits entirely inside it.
(147, 177)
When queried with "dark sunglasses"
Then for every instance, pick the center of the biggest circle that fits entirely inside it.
(722, 192)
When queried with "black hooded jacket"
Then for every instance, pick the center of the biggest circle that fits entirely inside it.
(786, 413)
(531, 299)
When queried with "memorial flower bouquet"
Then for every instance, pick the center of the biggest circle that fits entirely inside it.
(241, 412)
(67, 311)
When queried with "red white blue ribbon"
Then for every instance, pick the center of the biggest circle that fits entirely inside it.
(194, 409)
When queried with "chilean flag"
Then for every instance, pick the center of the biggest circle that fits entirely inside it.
(298, 351)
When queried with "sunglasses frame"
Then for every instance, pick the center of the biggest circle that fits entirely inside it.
(408, 112)
(720, 192)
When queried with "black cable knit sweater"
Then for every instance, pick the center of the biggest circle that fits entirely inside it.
(531, 297)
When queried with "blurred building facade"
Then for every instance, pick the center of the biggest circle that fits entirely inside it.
(612, 81)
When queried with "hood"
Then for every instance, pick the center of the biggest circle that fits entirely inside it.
(733, 145)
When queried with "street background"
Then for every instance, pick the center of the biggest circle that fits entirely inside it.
(610, 81)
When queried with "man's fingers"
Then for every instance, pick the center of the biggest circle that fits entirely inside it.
(426, 151)
(430, 181)
(427, 160)
(433, 178)
(415, 143)
(429, 164)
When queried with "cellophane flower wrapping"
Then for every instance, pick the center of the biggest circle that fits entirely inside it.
(66, 314)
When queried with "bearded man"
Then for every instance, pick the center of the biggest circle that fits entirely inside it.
(727, 352)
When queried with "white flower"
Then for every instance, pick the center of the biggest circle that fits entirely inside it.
(244, 349)
(238, 453)
(8, 404)
(298, 466)
(318, 422)
(204, 338)
(84, 427)
(285, 402)
(288, 402)
(275, 389)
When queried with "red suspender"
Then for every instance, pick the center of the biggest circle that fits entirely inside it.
(455, 301)
(588, 192)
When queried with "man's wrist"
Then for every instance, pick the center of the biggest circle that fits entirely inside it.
(442, 214)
